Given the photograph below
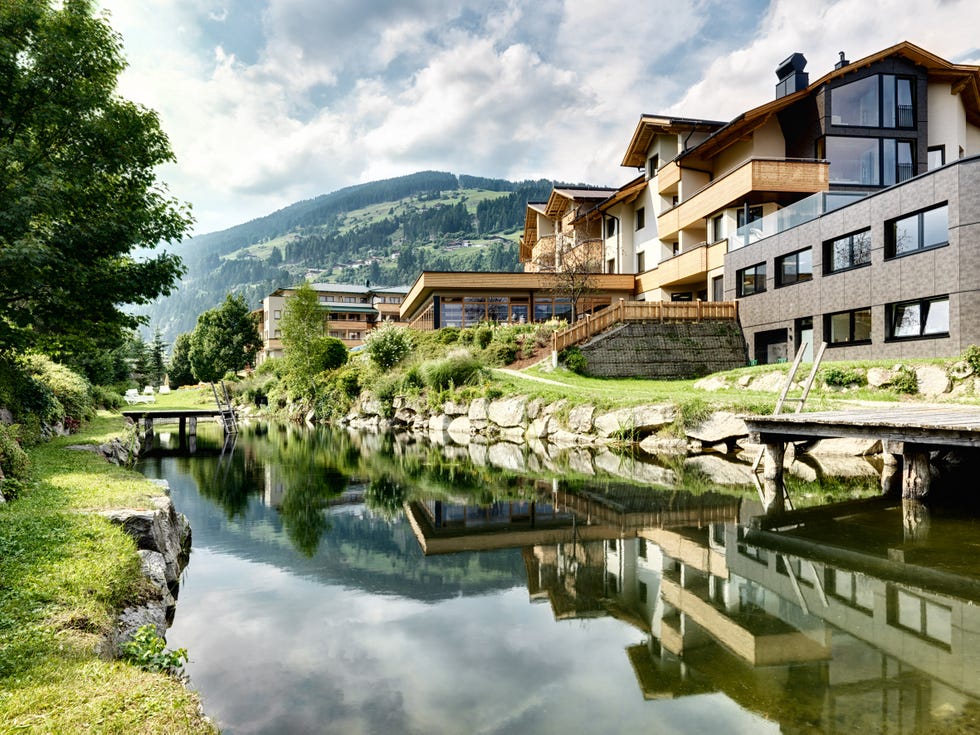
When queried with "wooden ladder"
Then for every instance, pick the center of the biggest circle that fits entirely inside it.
(228, 420)
(800, 401)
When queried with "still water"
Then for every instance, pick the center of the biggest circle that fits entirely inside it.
(356, 584)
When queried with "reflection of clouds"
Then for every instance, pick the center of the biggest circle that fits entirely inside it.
(274, 652)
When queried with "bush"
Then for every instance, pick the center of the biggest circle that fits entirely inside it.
(905, 381)
(73, 392)
(14, 463)
(836, 376)
(500, 353)
(388, 345)
(412, 381)
(459, 368)
(574, 360)
(107, 398)
(448, 335)
(482, 337)
(25, 394)
(972, 358)
(148, 650)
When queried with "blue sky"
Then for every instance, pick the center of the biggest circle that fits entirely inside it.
(267, 102)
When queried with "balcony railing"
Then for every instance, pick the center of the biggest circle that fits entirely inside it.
(805, 210)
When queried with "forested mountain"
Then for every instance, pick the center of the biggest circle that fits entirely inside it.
(385, 232)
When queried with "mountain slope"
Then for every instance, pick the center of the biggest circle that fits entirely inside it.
(384, 232)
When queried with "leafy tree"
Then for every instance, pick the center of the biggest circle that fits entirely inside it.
(78, 192)
(226, 339)
(307, 351)
(388, 345)
(179, 371)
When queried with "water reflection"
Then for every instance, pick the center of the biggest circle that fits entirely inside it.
(350, 583)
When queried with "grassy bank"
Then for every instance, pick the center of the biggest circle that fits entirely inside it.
(65, 573)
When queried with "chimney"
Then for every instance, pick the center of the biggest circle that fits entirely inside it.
(791, 76)
(843, 62)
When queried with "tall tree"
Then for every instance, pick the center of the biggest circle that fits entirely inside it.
(306, 349)
(179, 370)
(78, 190)
(226, 339)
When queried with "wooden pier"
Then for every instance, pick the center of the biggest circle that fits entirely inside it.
(186, 420)
(910, 432)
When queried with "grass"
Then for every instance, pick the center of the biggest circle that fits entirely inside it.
(65, 575)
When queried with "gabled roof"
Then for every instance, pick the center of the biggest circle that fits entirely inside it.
(965, 79)
(577, 194)
(652, 125)
(626, 194)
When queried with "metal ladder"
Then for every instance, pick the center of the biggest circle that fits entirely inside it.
(229, 422)
(800, 401)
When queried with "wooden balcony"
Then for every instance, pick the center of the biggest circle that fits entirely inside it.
(691, 266)
(544, 249)
(668, 179)
(757, 175)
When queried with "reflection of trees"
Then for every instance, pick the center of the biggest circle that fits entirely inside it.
(304, 505)
(385, 497)
(228, 480)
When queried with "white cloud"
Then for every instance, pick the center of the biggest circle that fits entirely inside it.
(272, 103)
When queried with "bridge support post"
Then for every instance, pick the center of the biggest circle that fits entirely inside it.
(916, 473)
(773, 488)
(891, 471)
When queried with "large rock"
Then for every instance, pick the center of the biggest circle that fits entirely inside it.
(634, 469)
(711, 383)
(722, 426)
(155, 530)
(663, 445)
(478, 410)
(508, 411)
(540, 428)
(933, 380)
(634, 421)
(768, 382)
(6, 417)
(506, 456)
(452, 408)
(460, 429)
(845, 447)
(439, 423)
(580, 419)
(880, 377)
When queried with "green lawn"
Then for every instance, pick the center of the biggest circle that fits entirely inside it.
(65, 573)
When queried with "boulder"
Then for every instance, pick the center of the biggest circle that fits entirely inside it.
(960, 370)
(711, 383)
(478, 410)
(439, 422)
(478, 453)
(663, 445)
(634, 469)
(460, 429)
(580, 419)
(534, 408)
(933, 380)
(637, 420)
(845, 447)
(839, 466)
(452, 408)
(540, 428)
(6, 417)
(580, 461)
(722, 426)
(506, 456)
(508, 411)
(768, 382)
(880, 377)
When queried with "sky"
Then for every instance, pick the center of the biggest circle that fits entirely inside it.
(269, 102)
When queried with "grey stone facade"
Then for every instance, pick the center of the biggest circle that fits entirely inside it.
(952, 270)
(666, 351)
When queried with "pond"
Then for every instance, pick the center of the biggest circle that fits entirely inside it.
(345, 583)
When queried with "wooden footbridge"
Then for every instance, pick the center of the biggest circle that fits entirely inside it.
(909, 432)
(187, 417)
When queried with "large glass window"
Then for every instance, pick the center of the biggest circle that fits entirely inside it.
(868, 161)
(919, 231)
(849, 251)
(921, 616)
(880, 101)
(923, 318)
(848, 327)
(794, 268)
(751, 280)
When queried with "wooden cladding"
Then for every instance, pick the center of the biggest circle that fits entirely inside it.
(689, 266)
(757, 175)
(643, 311)
(668, 178)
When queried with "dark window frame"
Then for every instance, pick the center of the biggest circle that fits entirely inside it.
(925, 304)
(828, 249)
(641, 218)
(889, 176)
(780, 282)
(891, 238)
(850, 341)
(890, 96)
(758, 277)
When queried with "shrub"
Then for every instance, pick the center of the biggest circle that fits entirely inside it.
(385, 389)
(836, 376)
(905, 381)
(25, 394)
(972, 357)
(413, 381)
(106, 398)
(448, 335)
(459, 368)
(148, 650)
(13, 459)
(73, 392)
(500, 353)
(574, 360)
(482, 336)
(388, 345)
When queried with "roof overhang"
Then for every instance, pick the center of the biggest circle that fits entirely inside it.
(653, 125)
(626, 194)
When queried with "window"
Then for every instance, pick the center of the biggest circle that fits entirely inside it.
(868, 161)
(640, 262)
(794, 268)
(641, 218)
(851, 588)
(880, 101)
(610, 227)
(751, 280)
(937, 156)
(848, 327)
(919, 231)
(717, 227)
(277, 314)
(718, 288)
(849, 251)
(913, 319)
(754, 213)
(918, 615)
(653, 163)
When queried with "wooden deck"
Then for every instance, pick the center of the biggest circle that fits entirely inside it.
(922, 425)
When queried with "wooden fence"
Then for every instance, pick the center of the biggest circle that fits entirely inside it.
(643, 311)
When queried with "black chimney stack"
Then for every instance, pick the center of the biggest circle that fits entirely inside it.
(843, 62)
(791, 76)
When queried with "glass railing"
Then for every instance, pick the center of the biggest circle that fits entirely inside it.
(805, 210)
